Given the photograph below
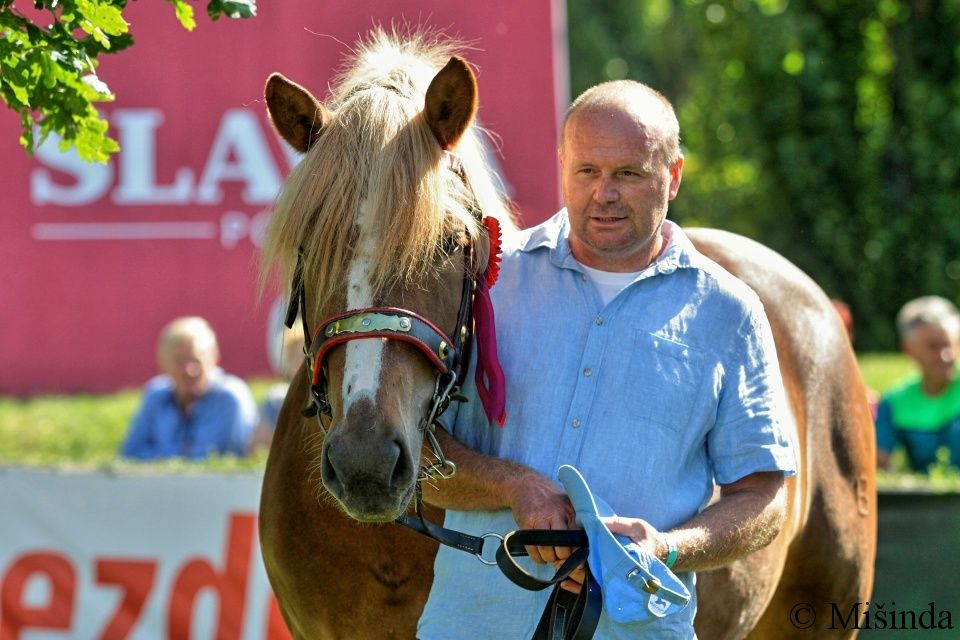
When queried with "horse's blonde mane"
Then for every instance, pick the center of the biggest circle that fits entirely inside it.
(378, 153)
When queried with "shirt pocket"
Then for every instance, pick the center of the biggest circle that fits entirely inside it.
(665, 378)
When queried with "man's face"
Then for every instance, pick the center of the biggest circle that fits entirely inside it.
(935, 350)
(189, 365)
(615, 190)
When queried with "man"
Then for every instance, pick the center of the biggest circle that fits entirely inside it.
(923, 412)
(193, 409)
(630, 356)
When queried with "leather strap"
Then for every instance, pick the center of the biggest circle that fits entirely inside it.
(567, 616)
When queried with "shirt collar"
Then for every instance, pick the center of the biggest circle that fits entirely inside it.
(554, 234)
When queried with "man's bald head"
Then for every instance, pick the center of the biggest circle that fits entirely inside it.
(643, 103)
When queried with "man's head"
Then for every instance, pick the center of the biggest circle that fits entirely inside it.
(187, 352)
(620, 164)
(929, 329)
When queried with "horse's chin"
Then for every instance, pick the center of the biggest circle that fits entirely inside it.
(374, 507)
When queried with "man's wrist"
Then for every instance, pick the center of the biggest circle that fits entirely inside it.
(667, 549)
(672, 552)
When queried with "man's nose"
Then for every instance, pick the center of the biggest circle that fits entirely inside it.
(948, 354)
(193, 369)
(606, 190)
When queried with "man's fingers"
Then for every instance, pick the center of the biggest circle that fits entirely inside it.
(570, 585)
(616, 524)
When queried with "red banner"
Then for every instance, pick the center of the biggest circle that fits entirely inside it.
(97, 258)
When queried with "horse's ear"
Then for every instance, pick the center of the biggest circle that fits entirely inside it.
(451, 102)
(296, 115)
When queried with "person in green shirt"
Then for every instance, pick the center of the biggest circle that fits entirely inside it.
(923, 412)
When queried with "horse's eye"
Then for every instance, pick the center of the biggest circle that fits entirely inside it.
(452, 244)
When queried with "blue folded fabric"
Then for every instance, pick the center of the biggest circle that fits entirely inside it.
(637, 587)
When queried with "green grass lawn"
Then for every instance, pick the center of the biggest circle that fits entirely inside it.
(86, 430)
(882, 370)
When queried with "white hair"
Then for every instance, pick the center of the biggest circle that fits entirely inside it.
(928, 310)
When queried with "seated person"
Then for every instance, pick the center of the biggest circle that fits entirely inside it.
(923, 412)
(193, 409)
(286, 356)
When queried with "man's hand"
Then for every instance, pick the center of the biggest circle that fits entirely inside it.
(485, 482)
(538, 503)
(638, 530)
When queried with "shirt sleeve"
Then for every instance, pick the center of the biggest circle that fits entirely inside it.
(243, 419)
(138, 441)
(751, 431)
(886, 433)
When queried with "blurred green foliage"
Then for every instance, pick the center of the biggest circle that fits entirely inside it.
(48, 69)
(827, 130)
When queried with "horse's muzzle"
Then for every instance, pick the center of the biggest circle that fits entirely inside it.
(369, 470)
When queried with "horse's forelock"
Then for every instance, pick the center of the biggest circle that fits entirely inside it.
(378, 152)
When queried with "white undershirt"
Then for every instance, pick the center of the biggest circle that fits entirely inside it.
(609, 283)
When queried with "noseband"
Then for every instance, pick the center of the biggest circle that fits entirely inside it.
(449, 354)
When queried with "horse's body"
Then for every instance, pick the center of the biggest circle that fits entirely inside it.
(337, 578)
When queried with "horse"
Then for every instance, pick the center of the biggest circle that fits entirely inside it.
(378, 223)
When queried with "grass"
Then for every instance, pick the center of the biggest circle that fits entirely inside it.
(85, 431)
(882, 370)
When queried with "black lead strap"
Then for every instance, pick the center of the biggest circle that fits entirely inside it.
(568, 615)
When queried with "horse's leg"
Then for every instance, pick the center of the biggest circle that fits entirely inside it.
(335, 579)
(830, 566)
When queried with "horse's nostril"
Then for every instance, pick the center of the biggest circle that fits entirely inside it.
(402, 469)
(329, 475)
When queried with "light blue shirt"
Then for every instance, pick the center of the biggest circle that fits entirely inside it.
(672, 386)
(220, 421)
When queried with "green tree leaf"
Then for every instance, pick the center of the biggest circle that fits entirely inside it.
(232, 8)
(184, 14)
(48, 74)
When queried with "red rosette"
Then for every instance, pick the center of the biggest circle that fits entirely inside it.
(492, 225)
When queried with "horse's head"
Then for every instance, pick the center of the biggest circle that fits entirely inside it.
(385, 240)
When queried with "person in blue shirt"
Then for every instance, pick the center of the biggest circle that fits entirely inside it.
(193, 409)
(922, 412)
(629, 355)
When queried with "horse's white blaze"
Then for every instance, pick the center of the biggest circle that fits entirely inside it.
(361, 374)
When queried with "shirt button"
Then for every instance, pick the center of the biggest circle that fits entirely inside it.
(583, 277)
(599, 320)
(588, 372)
(575, 423)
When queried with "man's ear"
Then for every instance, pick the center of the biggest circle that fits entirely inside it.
(676, 177)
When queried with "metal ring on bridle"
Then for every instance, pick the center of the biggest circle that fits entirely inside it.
(495, 536)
